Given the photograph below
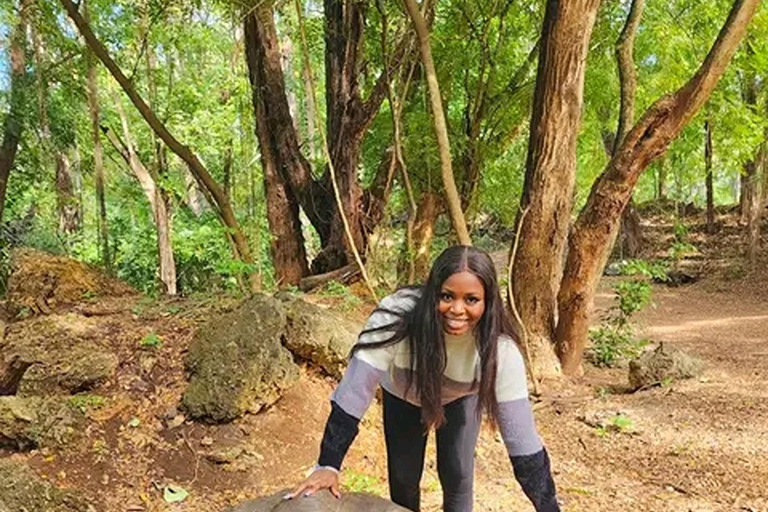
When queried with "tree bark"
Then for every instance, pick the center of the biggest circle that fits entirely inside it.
(598, 221)
(748, 177)
(98, 156)
(157, 201)
(441, 129)
(226, 214)
(550, 172)
(348, 117)
(14, 121)
(66, 199)
(661, 183)
(281, 160)
(709, 177)
(430, 206)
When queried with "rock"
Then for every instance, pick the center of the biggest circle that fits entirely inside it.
(237, 362)
(225, 455)
(322, 501)
(40, 282)
(21, 489)
(70, 370)
(319, 335)
(663, 364)
(67, 353)
(30, 422)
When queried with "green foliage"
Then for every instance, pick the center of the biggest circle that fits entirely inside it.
(614, 341)
(619, 423)
(85, 402)
(656, 270)
(354, 481)
(151, 340)
(347, 299)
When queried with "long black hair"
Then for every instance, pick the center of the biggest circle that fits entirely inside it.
(423, 327)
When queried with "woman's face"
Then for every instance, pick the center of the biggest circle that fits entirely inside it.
(461, 302)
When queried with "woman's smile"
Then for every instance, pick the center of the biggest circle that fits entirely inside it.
(461, 303)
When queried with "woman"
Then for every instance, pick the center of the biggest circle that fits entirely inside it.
(443, 354)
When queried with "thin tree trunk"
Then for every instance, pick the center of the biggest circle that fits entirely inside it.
(709, 177)
(424, 231)
(661, 183)
(441, 129)
(148, 181)
(66, 200)
(550, 173)
(748, 183)
(14, 121)
(226, 214)
(598, 221)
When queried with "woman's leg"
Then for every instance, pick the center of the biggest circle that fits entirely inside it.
(456, 441)
(406, 440)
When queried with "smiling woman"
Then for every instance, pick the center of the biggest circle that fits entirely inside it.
(443, 353)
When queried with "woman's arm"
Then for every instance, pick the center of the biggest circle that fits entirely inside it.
(354, 395)
(530, 460)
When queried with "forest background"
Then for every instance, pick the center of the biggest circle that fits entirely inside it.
(191, 147)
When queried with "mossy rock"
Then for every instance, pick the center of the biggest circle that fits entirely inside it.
(322, 501)
(318, 335)
(21, 489)
(31, 422)
(67, 358)
(237, 362)
(663, 364)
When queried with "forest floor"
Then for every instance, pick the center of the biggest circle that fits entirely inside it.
(696, 445)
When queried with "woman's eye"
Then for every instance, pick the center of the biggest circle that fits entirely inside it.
(445, 297)
(472, 300)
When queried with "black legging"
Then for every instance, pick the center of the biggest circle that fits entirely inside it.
(406, 441)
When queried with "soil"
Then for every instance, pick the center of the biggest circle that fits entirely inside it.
(697, 445)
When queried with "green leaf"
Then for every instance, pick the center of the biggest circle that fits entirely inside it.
(135, 422)
(174, 494)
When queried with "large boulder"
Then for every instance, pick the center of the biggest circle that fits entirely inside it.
(322, 501)
(21, 489)
(40, 282)
(663, 364)
(31, 422)
(318, 335)
(66, 352)
(237, 363)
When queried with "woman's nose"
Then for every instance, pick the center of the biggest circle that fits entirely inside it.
(457, 307)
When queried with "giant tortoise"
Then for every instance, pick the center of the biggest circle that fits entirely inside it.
(322, 501)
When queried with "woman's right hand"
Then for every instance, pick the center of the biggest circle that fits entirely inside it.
(321, 478)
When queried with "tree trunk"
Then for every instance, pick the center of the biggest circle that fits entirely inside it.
(661, 180)
(748, 176)
(14, 121)
(279, 147)
(597, 224)
(428, 210)
(226, 214)
(441, 129)
(709, 177)
(157, 201)
(550, 172)
(66, 199)
(348, 118)
(98, 157)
